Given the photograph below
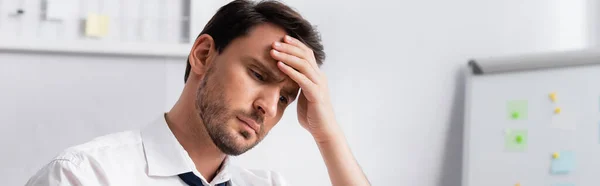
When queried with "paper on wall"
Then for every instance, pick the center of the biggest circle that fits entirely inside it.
(96, 25)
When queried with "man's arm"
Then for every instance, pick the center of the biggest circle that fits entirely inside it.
(315, 112)
(341, 164)
(69, 168)
(56, 173)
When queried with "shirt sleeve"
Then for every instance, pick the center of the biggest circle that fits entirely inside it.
(57, 173)
(69, 169)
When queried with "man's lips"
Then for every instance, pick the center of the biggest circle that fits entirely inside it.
(250, 122)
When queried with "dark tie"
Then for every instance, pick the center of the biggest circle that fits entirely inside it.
(192, 180)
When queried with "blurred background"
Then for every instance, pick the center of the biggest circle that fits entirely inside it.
(72, 70)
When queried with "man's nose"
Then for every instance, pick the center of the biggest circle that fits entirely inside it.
(267, 102)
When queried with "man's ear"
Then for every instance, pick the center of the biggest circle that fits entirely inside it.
(203, 52)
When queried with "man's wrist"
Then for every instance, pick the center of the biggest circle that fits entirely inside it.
(332, 134)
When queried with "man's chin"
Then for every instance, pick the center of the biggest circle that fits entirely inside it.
(244, 144)
(233, 141)
(237, 146)
(233, 151)
(247, 136)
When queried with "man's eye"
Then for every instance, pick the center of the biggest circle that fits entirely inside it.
(283, 99)
(257, 75)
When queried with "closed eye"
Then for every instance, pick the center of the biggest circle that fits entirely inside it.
(257, 75)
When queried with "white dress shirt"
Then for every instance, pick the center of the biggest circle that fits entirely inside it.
(151, 156)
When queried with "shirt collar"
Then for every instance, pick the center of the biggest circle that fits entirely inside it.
(166, 157)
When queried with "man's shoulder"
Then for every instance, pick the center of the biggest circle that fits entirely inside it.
(103, 146)
(98, 159)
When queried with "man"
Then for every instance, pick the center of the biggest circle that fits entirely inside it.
(244, 69)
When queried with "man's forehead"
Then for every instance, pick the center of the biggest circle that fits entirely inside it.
(263, 35)
(256, 46)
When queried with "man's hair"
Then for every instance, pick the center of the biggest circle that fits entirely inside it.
(237, 18)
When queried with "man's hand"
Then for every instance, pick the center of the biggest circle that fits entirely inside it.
(315, 112)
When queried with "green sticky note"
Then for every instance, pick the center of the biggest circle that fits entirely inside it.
(517, 109)
(515, 140)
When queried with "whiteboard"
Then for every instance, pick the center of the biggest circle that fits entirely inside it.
(533, 120)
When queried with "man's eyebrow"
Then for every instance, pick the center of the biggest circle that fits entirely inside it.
(274, 74)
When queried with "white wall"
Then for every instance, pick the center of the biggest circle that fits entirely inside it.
(593, 22)
(49, 102)
(394, 72)
(393, 66)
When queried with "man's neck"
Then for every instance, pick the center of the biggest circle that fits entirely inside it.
(204, 153)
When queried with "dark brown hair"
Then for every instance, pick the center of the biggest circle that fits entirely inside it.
(238, 17)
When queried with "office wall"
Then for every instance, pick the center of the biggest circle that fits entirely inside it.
(593, 13)
(393, 68)
(49, 102)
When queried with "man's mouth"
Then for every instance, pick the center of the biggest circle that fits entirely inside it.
(250, 123)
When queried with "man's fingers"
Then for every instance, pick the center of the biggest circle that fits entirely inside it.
(296, 63)
(309, 54)
(290, 49)
(295, 42)
(304, 83)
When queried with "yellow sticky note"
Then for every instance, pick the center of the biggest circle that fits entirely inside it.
(96, 25)
(553, 97)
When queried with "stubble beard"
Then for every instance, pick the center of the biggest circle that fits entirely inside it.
(212, 109)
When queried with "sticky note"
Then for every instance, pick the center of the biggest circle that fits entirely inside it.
(515, 115)
(517, 109)
(557, 110)
(563, 164)
(567, 120)
(553, 96)
(96, 25)
(516, 140)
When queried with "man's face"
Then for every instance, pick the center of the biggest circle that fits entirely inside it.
(243, 94)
